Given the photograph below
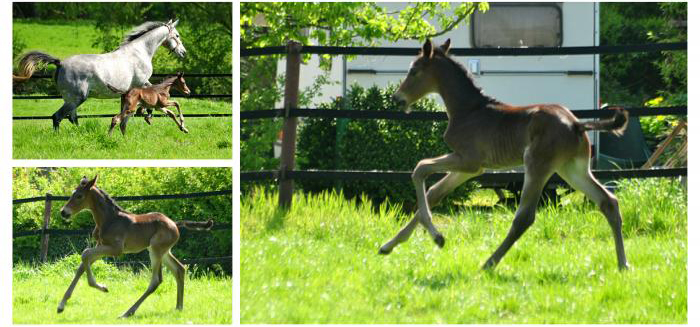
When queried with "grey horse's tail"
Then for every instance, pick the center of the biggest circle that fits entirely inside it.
(29, 63)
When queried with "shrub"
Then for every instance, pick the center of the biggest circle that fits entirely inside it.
(368, 144)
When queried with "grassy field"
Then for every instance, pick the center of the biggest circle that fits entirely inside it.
(318, 263)
(76, 37)
(208, 138)
(36, 291)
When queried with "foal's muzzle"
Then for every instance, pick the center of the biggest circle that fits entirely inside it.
(65, 213)
(400, 101)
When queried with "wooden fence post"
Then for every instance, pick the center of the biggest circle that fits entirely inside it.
(289, 131)
(44, 235)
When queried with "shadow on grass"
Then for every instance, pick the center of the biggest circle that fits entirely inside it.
(276, 221)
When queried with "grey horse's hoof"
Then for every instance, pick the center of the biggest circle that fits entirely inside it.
(59, 310)
(439, 240)
(384, 251)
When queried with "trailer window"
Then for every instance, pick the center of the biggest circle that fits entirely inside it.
(517, 25)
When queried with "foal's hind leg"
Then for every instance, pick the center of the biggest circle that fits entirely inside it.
(178, 271)
(537, 172)
(436, 192)
(156, 278)
(578, 174)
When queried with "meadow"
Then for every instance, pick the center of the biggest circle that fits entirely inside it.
(318, 262)
(209, 138)
(37, 290)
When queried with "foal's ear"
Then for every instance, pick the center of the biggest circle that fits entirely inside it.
(427, 49)
(84, 181)
(179, 74)
(445, 46)
(90, 183)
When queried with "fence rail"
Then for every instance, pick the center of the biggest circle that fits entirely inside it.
(539, 51)
(293, 50)
(486, 179)
(193, 96)
(110, 116)
(48, 199)
(399, 115)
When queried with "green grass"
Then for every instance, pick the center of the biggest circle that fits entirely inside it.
(75, 38)
(36, 292)
(208, 138)
(318, 263)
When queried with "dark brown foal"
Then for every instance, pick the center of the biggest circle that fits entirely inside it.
(118, 231)
(151, 97)
(484, 133)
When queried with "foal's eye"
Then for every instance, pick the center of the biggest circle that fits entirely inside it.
(79, 196)
(412, 72)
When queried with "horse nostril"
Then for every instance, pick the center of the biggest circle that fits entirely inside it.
(64, 213)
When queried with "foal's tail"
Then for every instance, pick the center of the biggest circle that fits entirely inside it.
(29, 62)
(615, 125)
(196, 225)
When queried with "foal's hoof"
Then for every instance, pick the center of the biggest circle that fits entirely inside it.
(384, 251)
(59, 310)
(184, 129)
(439, 240)
(127, 314)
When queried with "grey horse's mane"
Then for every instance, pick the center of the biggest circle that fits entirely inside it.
(140, 30)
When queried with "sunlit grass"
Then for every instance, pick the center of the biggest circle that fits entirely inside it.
(36, 292)
(318, 263)
(208, 138)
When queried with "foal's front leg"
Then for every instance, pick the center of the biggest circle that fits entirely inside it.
(180, 123)
(425, 168)
(88, 257)
(436, 192)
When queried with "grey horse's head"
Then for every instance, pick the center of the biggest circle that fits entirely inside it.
(173, 42)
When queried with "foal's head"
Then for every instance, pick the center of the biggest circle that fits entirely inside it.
(79, 200)
(179, 83)
(422, 77)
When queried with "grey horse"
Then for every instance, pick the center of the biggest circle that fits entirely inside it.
(87, 75)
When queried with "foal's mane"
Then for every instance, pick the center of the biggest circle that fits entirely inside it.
(110, 201)
(168, 81)
(140, 30)
(464, 75)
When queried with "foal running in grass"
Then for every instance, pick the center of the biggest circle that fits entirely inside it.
(484, 133)
(118, 231)
(151, 97)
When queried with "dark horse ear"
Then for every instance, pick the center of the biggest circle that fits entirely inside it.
(427, 49)
(179, 74)
(445, 46)
(90, 183)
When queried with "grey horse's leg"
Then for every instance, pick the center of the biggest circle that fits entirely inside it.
(62, 113)
(70, 110)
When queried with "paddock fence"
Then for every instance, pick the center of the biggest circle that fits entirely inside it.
(191, 96)
(45, 231)
(286, 173)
